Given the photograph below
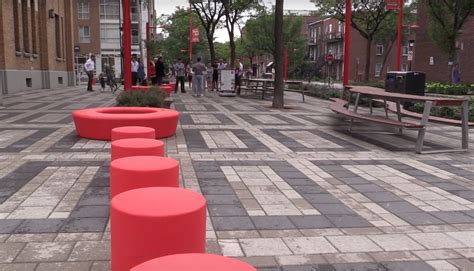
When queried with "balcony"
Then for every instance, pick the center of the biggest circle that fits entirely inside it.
(334, 36)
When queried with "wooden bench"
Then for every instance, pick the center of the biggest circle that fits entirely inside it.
(392, 106)
(339, 106)
(302, 91)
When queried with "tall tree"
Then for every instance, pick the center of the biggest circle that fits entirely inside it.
(447, 18)
(278, 101)
(234, 11)
(367, 18)
(210, 13)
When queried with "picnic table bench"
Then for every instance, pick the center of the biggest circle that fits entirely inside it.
(266, 86)
(393, 100)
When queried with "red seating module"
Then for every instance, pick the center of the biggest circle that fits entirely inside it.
(136, 147)
(133, 132)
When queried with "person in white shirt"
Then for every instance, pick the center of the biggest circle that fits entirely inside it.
(89, 66)
(135, 66)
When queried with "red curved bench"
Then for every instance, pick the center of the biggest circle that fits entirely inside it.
(194, 262)
(147, 223)
(132, 132)
(97, 123)
(142, 171)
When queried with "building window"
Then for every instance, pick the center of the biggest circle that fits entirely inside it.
(378, 69)
(109, 9)
(108, 60)
(110, 33)
(134, 10)
(25, 24)
(33, 27)
(379, 50)
(16, 25)
(135, 34)
(84, 34)
(404, 67)
(405, 50)
(83, 10)
(57, 32)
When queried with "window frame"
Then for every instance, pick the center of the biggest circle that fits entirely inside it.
(83, 10)
(378, 69)
(84, 38)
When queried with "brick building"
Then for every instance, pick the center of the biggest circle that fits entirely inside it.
(36, 44)
(97, 31)
(327, 36)
(430, 59)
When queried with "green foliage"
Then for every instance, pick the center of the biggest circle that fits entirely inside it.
(447, 17)
(155, 97)
(446, 112)
(449, 89)
(259, 38)
(321, 91)
(176, 42)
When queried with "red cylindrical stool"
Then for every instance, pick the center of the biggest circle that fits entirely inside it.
(142, 171)
(133, 132)
(136, 147)
(194, 262)
(147, 223)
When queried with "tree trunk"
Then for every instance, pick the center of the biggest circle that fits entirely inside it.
(278, 101)
(368, 56)
(232, 48)
(212, 50)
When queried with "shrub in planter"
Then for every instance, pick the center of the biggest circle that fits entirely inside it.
(155, 97)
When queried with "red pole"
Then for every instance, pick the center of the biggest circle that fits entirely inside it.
(347, 42)
(127, 45)
(190, 32)
(399, 35)
(148, 59)
(286, 64)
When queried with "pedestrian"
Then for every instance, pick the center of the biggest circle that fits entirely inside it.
(102, 78)
(215, 77)
(134, 70)
(159, 70)
(209, 77)
(89, 66)
(189, 72)
(239, 71)
(198, 69)
(180, 71)
(151, 71)
(456, 75)
(141, 73)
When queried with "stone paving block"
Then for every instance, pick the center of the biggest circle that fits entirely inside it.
(90, 250)
(18, 267)
(300, 259)
(64, 266)
(442, 265)
(226, 210)
(264, 247)
(348, 258)
(311, 222)
(45, 252)
(353, 244)
(393, 256)
(465, 237)
(349, 221)
(40, 226)
(408, 265)
(8, 251)
(8, 226)
(260, 262)
(437, 254)
(436, 240)
(25, 238)
(232, 223)
(91, 211)
(100, 266)
(395, 242)
(272, 222)
(309, 245)
(420, 218)
(76, 225)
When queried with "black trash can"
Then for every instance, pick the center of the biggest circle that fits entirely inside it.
(406, 82)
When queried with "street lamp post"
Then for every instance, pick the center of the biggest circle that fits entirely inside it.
(190, 32)
(347, 42)
(399, 34)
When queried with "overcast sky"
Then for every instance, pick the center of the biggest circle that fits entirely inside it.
(168, 6)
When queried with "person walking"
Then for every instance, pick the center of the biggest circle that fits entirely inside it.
(141, 73)
(189, 73)
(198, 85)
(180, 71)
(159, 71)
(215, 77)
(135, 66)
(89, 66)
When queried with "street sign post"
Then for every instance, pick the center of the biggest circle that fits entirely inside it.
(392, 4)
(329, 58)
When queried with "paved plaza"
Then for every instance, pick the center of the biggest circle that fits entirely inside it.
(286, 189)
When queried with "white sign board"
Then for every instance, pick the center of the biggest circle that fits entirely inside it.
(227, 82)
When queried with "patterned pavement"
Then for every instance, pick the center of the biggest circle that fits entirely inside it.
(287, 189)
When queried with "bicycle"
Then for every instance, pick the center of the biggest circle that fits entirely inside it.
(114, 83)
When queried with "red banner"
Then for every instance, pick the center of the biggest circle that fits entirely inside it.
(195, 35)
(392, 4)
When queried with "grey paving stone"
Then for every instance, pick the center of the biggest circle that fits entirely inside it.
(363, 188)
(352, 180)
(91, 211)
(308, 189)
(272, 223)
(8, 251)
(318, 267)
(65, 266)
(232, 223)
(100, 266)
(222, 199)
(333, 209)
(227, 210)
(382, 196)
(9, 225)
(455, 217)
(420, 218)
(415, 265)
(45, 252)
(217, 190)
(358, 267)
(40, 226)
(90, 251)
(321, 198)
(399, 207)
(311, 222)
(348, 221)
(84, 224)
(18, 267)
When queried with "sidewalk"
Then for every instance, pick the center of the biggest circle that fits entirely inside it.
(287, 190)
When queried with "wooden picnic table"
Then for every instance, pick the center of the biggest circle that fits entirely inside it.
(429, 102)
(264, 85)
